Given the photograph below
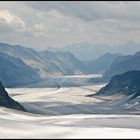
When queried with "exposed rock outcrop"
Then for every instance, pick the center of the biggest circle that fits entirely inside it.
(7, 101)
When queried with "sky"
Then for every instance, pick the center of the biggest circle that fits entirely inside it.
(42, 24)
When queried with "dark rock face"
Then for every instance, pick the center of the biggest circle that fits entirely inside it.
(127, 84)
(8, 102)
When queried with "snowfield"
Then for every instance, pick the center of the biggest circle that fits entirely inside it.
(18, 125)
(66, 112)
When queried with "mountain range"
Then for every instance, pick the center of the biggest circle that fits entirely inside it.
(48, 63)
(123, 64)
(44, 63)
(92, 51)
(22, 66)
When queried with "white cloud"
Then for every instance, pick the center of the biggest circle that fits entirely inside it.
(12, 20)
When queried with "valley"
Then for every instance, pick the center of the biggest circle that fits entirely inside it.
(67, 112)
(59, 95)
(69, 70)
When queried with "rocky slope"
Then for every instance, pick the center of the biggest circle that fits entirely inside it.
(8, 102)
(126, 84)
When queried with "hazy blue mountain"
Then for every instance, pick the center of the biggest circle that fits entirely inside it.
(84, 51)
(44, 63)
(87, 52)
(29, 56)
(8, 102)
(129, 47)
(125, 84)
(123, 64)
(102, 63)
(63, 62)
(14, 72)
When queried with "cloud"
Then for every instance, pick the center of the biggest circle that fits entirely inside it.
(46, 23)
(11, 20)
(92, 10)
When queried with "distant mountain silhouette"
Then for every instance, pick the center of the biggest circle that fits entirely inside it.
(48, 63)
(84, 51)
(92, 51)
(102, 63)
(123, 64)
